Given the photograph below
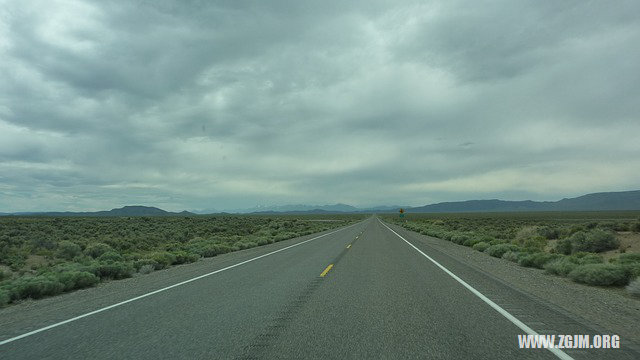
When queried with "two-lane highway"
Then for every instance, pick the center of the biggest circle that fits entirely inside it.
(364, 291)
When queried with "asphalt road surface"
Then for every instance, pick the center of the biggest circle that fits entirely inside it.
(367, 291)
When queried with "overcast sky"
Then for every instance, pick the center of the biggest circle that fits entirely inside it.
(232, 104)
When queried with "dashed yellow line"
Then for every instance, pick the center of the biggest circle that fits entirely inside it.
(326, 270)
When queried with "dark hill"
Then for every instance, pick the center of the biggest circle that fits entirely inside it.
(123, 211)
(624, 200)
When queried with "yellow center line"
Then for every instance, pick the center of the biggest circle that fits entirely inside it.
(348, 246)
(326, 270)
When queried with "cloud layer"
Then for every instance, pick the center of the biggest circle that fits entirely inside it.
(192, 105)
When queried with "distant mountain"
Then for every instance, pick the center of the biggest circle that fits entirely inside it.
(299, 208)
(123, 211)
(624, 200)
(206, 211)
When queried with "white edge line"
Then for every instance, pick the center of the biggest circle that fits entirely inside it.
(557, 352)
(164, 289)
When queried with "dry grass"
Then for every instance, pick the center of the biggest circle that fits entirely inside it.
(36, 261)
(629, 243)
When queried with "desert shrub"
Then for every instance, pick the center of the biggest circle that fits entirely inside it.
(488, 239)
(114, 270)
(138, 264)
(4, 297)
(163, 259)
(595, 241)
(600, 274)
(110, 256)
(591, 225)
(629, 258)
(77, 279)
(481, 246)
(525, 233)
(615, 226)
(564, 246)
(183, 257)
(534, 244)
(68, 250)
(586, 258)
(209, 250)
(633, 288)
(14, 258)
(4, 275)
(562, 266)
(635, 227)
(511, 256)
(498, 241)
(146, 269)
(242, 245)
(95, 250)
(536, 260)
(500, 249)
(459, 239)
(548, 232)
(632, 269)
(471, 241)
(35, 287)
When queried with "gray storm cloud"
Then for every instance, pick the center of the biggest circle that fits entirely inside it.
(229, 104)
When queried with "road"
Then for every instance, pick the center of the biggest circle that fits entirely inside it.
(367, 291)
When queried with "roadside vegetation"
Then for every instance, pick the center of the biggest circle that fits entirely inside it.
(45, 256)
(594, 248)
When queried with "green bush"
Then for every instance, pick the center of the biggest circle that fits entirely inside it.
(586, 258)
(600, 274)
(629, 258)
(242, 245)
(511, 256)
(562, 266)
(488, 239)
(114, 270)
(536, 260)
(459, 239)
(5, 298)
(4, 275)
(146, 269)
(68, 250)
(525, 233)
(635, 227)
(548, 232)
(138, 264)
(35, 287)
(183, 257)
(500, 249)
(564, 246)
(481, 246)
(471, 241)
(534, 244)
(163, 259)
(595, 241)
(110, 256)
(632, 269)
(77, 279)
(95, 250)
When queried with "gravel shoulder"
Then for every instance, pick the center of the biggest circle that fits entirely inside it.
(611, 310)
